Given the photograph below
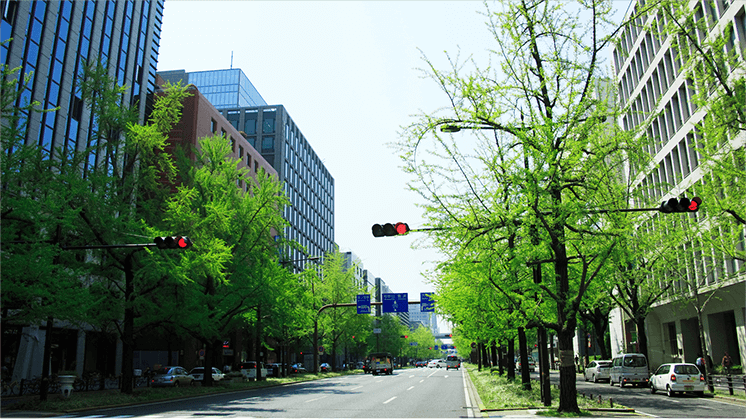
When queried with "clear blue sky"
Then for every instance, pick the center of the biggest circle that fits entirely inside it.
(347, 73)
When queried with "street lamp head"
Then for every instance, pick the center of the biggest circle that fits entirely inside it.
(450, 128)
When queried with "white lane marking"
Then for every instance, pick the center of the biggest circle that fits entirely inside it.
(422, 380)
(467, 398)
(644, 414)
(316, 399)
(410, 387)
(446, 376)
(411, 376)
(389, 400)
(357, 387)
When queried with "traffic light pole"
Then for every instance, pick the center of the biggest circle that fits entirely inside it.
(342, 305)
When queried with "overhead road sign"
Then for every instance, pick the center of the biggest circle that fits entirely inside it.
(395, 302)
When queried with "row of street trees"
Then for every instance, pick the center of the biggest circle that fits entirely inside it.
(66, 211)
(516, 206)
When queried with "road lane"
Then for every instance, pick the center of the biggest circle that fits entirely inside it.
(417, 393)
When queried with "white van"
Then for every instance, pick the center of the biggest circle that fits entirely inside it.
(630, 368)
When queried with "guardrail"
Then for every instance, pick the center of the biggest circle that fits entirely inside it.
(729, 382)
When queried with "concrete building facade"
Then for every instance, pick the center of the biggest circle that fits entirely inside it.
(659, 99)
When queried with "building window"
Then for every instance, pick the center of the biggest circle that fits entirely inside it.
(268, 125)
(268, 143)
(213, 126)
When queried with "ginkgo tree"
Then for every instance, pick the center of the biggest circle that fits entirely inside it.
(543, 155)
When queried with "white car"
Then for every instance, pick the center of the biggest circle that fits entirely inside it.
(598, 369)
(198, 374)
(678, 377)
(436, 363)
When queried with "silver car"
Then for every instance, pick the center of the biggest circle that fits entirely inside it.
(597, 370)
(174, 376)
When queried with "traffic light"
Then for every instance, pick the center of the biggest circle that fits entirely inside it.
(390, 229)
(404, 336)
(680, 205)
(173, 242)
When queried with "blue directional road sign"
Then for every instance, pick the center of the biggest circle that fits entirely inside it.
(395, 302)
(427, 304)
(363, 304)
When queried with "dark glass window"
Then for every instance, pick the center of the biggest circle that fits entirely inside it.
(268, 125)
(268, 143)
(249, 126)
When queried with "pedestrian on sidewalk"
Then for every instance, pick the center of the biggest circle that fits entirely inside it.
(727, 363)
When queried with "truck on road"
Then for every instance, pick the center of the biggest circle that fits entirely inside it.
(381, 363)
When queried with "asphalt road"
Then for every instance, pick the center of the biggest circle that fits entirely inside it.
(417, 393)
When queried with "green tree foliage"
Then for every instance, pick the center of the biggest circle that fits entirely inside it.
(526, 195)
(232, 275)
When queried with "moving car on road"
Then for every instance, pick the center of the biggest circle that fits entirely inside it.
(678, 377)
(597, 370)
(452, 362)
(436, 363)
(629, 368)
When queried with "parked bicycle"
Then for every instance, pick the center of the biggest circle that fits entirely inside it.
(10, 388)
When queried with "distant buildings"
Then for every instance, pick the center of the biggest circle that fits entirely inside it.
(659, 97)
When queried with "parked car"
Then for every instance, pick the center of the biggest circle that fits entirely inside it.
(325, 367)
(436, 363)
(677, 377)
(198, 374)
(297, 368)
(174, 376)
(597, 370)
(248, 370)
(629, 368)
(531, 364)
(274, 369)
(452, 362)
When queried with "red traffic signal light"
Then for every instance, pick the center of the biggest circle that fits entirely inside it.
(680, 205)
(173, 242)
(390, 229)
(404, 336)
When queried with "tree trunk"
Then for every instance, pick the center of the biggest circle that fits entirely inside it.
(494, 356)
(44, 388)
(511, 359)
(703, 349)
(500, 360)
(642, 338)
(546, 389)
(259, 343)
(128, 348)
(525, 378)
(568, 402)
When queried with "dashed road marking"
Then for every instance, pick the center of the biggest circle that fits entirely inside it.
(389, 400)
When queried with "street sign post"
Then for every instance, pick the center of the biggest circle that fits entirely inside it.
(363, 304)
(427, 304)
(395, 302)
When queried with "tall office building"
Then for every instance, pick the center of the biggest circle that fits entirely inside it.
(51, 41)
(270, 130)
(659, 98)
(426, 319)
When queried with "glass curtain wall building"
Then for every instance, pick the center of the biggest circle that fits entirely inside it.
(52, 40)
(273, 133)
(659, 98)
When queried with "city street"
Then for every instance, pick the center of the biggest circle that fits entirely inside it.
(659, 405)
(417, 393)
